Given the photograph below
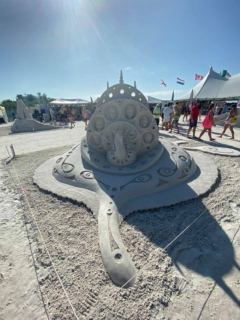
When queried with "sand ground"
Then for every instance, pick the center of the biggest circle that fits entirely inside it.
(196, 277)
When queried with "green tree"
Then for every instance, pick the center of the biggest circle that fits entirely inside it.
(9, 104)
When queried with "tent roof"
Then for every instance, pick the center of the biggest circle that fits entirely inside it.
(152, 100)
(69, 102)
(214, 86)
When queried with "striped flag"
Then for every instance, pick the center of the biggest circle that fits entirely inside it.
(163, 83)
(225, 73)
(180, 81)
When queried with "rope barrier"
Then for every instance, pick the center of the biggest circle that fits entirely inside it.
(23, 192)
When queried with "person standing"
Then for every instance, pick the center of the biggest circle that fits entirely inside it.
(61, 112)
(13, 115)
(200, 112)
(176, 115)
(85, 116)
(184, 112)
(71, 119)
(162, 113)
(156, 113)
(194, 112)
(52, 115)
(216, 109)
(230, 121)
(208, 122)
(225, 108)
(167, 115)
(220, 110)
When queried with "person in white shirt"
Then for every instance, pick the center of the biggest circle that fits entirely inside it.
(167, 115)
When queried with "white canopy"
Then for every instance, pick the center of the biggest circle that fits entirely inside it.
(71, 102)
(214, 86)
(152, 100)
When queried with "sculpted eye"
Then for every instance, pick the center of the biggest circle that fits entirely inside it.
(142, 178)
(87, 174)
(166, 172)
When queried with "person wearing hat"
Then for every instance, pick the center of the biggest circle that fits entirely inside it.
(194, 112)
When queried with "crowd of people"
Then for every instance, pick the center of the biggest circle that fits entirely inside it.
(170, 113)
(167, 117)
(67, 115)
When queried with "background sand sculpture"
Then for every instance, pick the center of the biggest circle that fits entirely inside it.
(25, 123)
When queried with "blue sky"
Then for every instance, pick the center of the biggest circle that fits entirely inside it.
(71, 48)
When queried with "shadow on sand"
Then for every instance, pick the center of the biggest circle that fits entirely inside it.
(203, 248)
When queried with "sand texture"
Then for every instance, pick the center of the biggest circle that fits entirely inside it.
(194, 277)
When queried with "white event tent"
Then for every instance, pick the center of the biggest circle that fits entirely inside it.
(152, 100)
(69, 102)
(215, 87)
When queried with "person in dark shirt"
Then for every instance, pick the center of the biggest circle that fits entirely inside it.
(13, 115)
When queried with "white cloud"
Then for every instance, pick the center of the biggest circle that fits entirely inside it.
(128, 68)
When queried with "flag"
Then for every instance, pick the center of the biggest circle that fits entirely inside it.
(190, 102)
(172, 96)
(163, 83)
(228, 74)
(224, 73)
(198, 77)
(180, 81)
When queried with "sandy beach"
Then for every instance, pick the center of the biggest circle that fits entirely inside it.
(187, 255)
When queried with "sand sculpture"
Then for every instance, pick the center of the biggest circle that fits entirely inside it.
(121, 166)
(25, 123)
